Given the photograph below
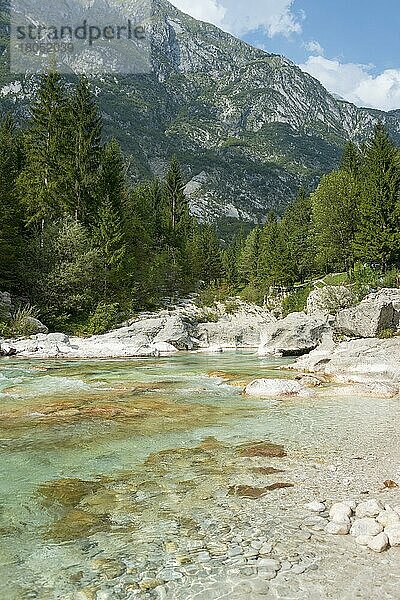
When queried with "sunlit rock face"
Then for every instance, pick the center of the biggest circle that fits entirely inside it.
(248, 126)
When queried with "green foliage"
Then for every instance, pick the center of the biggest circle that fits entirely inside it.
(20, 324)
(365, 279)
(104, 318)
(386, 334)
(296, 301)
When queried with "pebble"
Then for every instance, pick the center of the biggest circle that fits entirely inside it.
(265, 549)
(203, 556)
(269, 563)
(169, 575)
(317, 507)
(340, 511)
(235, 551)
(298, 569)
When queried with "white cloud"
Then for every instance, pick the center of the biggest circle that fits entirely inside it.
(204, 10)
(315, 47)
(356, 83)
(275, 17)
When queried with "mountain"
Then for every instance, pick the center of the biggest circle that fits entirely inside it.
(249, 127)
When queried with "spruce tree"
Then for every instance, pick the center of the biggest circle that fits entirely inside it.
(11, 222)
(85, 132)
(377, 238)
(296, 231)
(43, 183)
(334, 215)
(177, 206)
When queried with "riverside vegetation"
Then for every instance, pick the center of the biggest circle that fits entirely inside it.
(88, 247)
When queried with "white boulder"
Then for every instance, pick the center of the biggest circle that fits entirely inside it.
(393, 533)
(369, 508)
(366, 526)
(377, 312)
(328, 300)
(379, 543)
(295, 335)
(387, 518)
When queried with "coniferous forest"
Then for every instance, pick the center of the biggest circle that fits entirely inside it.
(87, 247)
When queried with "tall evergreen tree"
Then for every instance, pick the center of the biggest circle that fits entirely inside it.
(85, 151)
(43, 183)
(177, 206)
(11, 240)
(377, 238)
(334, 213)
(296, 230)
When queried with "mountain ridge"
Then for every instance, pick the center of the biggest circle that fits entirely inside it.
(249, 127)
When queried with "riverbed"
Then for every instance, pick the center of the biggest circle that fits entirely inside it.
(157, 478)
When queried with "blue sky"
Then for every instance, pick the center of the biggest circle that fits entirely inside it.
(351, 46)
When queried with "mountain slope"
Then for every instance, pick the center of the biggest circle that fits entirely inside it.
(249, 127)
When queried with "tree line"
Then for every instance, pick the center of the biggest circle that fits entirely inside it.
(77, 238)
(87, 246)
(352, 218)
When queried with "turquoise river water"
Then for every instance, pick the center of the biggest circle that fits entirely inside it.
(106, 465)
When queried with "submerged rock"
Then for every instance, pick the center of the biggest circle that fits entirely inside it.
(262, 449)
(269, 388)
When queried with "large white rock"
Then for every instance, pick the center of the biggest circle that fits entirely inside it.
(366, 361)
(393, 533)
(379, 543)
(374, 314)
(340, 512)
(338, 528)
(241, 329)
(295, 335)
(365, 526)
(269, 388)
(388, 518)
(328, 300)
(369, 508)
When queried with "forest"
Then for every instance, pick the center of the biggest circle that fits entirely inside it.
(84, 247)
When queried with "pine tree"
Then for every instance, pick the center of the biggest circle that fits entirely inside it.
(296, 230)
(85, 134)
(43, 182)
(351, 159)
(334, 214)
(271, 264)
(11, 222)
(110, 240)
(209, 255)
(377, 238)
(249, 257)
(177, 206)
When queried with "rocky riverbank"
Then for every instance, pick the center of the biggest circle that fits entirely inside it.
(340, 342)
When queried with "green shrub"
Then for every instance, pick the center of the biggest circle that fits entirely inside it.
(386, 334)
(232, 306)
(253, 295)
(104, 318)
(20, 324)
(296, 301)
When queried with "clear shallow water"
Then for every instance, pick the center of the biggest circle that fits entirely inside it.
(108, 460)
